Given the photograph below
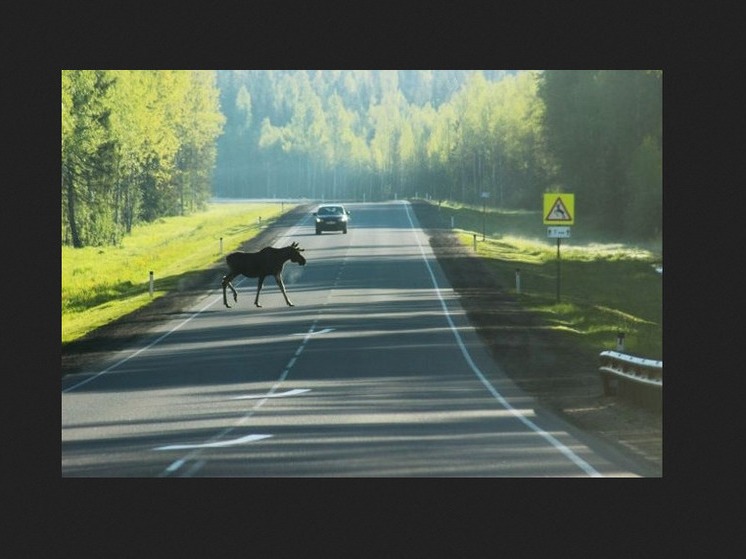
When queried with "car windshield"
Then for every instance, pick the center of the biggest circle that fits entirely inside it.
(330, 210)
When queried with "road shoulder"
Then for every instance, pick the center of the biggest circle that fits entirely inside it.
(543, 362)
(80, 355)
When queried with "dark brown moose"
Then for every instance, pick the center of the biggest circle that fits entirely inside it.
(267, 262)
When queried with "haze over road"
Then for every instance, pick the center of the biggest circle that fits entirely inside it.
(374, 372)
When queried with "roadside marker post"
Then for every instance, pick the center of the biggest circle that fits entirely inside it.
(150, 287)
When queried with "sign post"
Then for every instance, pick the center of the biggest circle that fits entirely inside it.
(559, 241)
(559, 211)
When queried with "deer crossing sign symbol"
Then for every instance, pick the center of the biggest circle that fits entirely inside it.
(559, 209)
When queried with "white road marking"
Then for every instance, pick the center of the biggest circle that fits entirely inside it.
(250, 438)
(176, 465)
(139, 351)
(324, 331)
(292, 392)
(174, 329)
(577, 460)
(217, 444)
(196, 449)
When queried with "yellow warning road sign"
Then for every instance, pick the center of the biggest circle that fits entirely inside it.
(559, 209)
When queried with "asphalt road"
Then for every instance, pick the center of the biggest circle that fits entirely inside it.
(374, 373)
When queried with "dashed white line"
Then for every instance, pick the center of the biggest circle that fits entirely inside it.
(175, 328)
(215, 442)
(177, 464)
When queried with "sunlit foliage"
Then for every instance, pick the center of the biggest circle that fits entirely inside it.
(100, 284)
(136, 145)
(139, 144)
(450, 134)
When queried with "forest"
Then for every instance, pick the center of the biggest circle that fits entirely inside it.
(138, 145)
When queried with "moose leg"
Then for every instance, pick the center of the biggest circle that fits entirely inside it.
(227, 283)
(278, 279)
(258, 289)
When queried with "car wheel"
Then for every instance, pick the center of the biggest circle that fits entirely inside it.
(318, 231)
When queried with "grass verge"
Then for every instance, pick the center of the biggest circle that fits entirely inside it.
(101, 284)
(495, 222)
(604, 288)
(607, 285)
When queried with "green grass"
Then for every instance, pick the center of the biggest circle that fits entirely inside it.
(606, 285)
(494, 222)
(604, 288)
(101, 284)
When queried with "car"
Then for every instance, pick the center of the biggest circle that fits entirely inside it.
(331, 217)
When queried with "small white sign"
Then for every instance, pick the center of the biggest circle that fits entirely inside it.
(558, 232)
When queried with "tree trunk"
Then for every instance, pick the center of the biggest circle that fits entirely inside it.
(77, 243)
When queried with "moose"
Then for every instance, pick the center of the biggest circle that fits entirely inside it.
(267, 262)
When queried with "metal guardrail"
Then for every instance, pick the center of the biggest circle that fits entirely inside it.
(638, 379)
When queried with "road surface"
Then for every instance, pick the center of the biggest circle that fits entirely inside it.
(375, 372)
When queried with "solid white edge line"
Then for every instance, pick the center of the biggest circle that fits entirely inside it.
(577, 460)
(139, 351)
(154, 342)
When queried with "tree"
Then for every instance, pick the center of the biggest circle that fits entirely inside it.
(604, 130)
(136, 145)
(198, 126)
(450, 133)
(87, 154)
